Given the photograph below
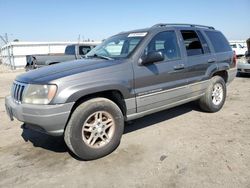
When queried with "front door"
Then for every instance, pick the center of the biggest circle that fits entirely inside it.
(161, 83)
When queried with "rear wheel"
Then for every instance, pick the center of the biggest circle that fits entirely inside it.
(215, 96)
(94, 129)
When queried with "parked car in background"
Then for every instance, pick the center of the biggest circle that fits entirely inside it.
(128, 76)
(239, 49)
(72, 52)
(243, 65)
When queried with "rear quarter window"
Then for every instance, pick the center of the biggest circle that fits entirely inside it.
(218, 41)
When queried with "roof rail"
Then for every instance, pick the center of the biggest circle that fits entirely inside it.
(181, 24)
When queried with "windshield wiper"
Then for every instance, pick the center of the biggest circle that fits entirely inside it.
(100, 56)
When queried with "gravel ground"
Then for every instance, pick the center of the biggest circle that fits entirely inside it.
(180, 147)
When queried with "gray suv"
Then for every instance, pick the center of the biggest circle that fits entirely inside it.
(128, 76)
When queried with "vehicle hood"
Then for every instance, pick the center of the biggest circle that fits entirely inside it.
(49, 73)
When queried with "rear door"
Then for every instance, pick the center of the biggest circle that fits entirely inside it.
(199, 55)
(199, 59)
(160, 83)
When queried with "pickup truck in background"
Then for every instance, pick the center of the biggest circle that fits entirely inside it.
(239, 49)
(72, 52)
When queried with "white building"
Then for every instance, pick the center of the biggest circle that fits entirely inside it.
(14, 54)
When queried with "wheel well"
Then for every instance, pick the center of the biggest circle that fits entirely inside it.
(222, 74)
(112, 95)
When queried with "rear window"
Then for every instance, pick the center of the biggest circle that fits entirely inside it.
(233, 45)
(70, 50)
(218, 41)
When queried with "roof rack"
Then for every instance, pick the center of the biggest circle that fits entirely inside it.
(178, 24)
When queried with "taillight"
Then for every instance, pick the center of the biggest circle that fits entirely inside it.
(234, 59)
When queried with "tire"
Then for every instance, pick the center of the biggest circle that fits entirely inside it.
(209, 102)
(94, 129)
(239, 74)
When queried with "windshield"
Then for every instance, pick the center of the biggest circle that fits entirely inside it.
(119, 46)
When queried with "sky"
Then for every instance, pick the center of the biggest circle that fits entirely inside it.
(65, 20)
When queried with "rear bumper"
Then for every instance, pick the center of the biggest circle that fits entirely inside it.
(243, 67)
(50, 119)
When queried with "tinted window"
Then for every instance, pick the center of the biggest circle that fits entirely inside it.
(70, 50)
(203, 43)
(165, 42)
(218, 41)
(192, 43)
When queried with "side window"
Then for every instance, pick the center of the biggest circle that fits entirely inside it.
(218, 41)
(192, 43)
(203, 43)
(84, 50)
(165, 42)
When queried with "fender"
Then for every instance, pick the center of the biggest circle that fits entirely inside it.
(72, 94)
(103, 88)
(217, 68)
(223, 66)
(213, 68)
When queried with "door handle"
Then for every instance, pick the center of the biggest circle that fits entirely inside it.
(211, 61)
(179, 67)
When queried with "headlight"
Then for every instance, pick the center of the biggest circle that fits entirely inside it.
(39, 94)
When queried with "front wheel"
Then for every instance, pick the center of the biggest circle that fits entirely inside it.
(215, 95)
(94, 129)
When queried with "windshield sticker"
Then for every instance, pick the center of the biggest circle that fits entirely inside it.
(137, 34)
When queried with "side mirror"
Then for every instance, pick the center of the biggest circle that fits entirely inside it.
(151, 57)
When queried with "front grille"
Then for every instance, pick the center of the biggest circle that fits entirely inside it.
(17, 91)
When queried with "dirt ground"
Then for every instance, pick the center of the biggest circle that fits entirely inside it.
(180, 147)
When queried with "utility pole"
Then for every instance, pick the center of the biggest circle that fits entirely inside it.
(79, 38)
(6, 37)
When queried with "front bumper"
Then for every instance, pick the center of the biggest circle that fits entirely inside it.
(50, 119)
(243, 67)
